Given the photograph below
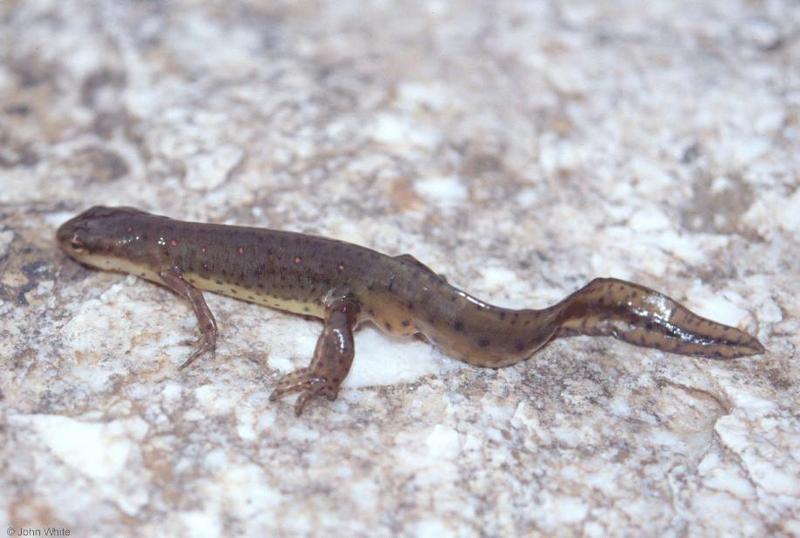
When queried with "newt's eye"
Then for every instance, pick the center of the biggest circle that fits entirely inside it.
(76, 244)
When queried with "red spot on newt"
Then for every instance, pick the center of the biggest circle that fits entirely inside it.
(173, 242)
(241, 250)
(298, 259)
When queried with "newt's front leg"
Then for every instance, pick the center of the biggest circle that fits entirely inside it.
(205, 319)
(332, 356)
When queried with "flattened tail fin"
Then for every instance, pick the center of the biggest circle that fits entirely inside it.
(644, 317)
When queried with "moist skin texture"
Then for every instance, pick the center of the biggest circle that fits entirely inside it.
(346, 284)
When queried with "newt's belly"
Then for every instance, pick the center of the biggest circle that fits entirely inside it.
(306, 307)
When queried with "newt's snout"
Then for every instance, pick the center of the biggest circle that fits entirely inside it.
(69, 237)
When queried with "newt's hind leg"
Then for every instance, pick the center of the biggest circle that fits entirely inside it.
(332, 357)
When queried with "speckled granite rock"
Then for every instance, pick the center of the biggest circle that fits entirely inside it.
(521, 148)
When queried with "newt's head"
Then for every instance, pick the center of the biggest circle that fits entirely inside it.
(97, 234)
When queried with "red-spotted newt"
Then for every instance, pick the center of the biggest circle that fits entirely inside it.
(346, 284)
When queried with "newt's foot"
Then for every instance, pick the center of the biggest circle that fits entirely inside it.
(332, 356)
(308, 385)
(207, 343)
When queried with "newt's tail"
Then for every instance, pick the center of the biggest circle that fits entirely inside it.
(644, 317)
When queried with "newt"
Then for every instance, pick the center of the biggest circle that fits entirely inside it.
(346, 285)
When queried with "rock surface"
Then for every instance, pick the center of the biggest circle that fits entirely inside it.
(520, 148)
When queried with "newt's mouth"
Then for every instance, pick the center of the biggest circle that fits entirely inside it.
(68, 237)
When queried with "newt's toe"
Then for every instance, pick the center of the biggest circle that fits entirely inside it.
(204, 345)
(307, 384)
